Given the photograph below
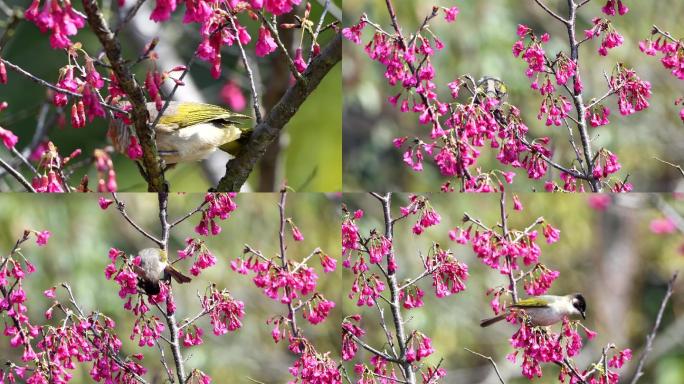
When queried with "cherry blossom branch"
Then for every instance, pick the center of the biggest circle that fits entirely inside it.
(145, 133)
(49, 85)
(395, 307)
(239, 169)
(578, 100)
(651, 336)
(292, 315)
(281, 46)
(170, 317)
(656, 29)
(509, 262)
(111, 353)
(374, 351)
(317, 31)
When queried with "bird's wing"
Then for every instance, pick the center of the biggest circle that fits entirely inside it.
(138, 270)
(531, 302)
(182, 114)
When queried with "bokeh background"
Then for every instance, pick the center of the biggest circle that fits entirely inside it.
(77, 253)
(611, 256)
(308, 153)
(479, 43)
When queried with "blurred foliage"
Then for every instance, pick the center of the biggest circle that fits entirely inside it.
(77, 253)
(311, 154)
(479, 43)
(583, 257)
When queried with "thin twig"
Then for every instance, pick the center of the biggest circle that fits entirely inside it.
(189, 214)
(255, 95)
(678, 167)
(121, 206)
(552, 13)
(496, 369)
(18, 176)
(292, 315)
(651, 336)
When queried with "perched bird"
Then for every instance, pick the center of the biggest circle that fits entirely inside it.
(189, 131)
(545, 310)
(492, 88)
(154, 267)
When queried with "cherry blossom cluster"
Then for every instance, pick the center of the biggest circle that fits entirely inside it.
(57, 17)
(294, 284)
(671, 51)
(51, 353)
(511, 251)
(51, 165)
(372, 260)
(459, 132)
(466, 123)
(225, 313)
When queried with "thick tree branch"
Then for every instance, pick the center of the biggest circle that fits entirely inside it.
(150, 158)
(238, 169)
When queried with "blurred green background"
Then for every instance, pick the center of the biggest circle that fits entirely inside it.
(479, 43)
(77, 253)
(310, 155)
(610, 256)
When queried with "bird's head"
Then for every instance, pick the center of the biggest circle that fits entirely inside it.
(579, 304)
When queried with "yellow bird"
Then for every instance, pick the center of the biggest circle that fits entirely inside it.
(189, 131)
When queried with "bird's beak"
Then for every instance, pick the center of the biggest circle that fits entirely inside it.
(584, 316)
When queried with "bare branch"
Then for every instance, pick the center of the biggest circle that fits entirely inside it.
(652, 335)
(552, 13)
(678, 167)
(496, 369)
(17, 175)
(121, 206)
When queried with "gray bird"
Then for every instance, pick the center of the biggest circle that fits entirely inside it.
(545, 310)
(154, 267)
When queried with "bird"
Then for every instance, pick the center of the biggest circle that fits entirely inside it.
(154, 267)
(189, 131)
(545, 310)
(492, 88)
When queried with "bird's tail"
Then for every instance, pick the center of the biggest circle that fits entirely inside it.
(492, 320)
(177, 275)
